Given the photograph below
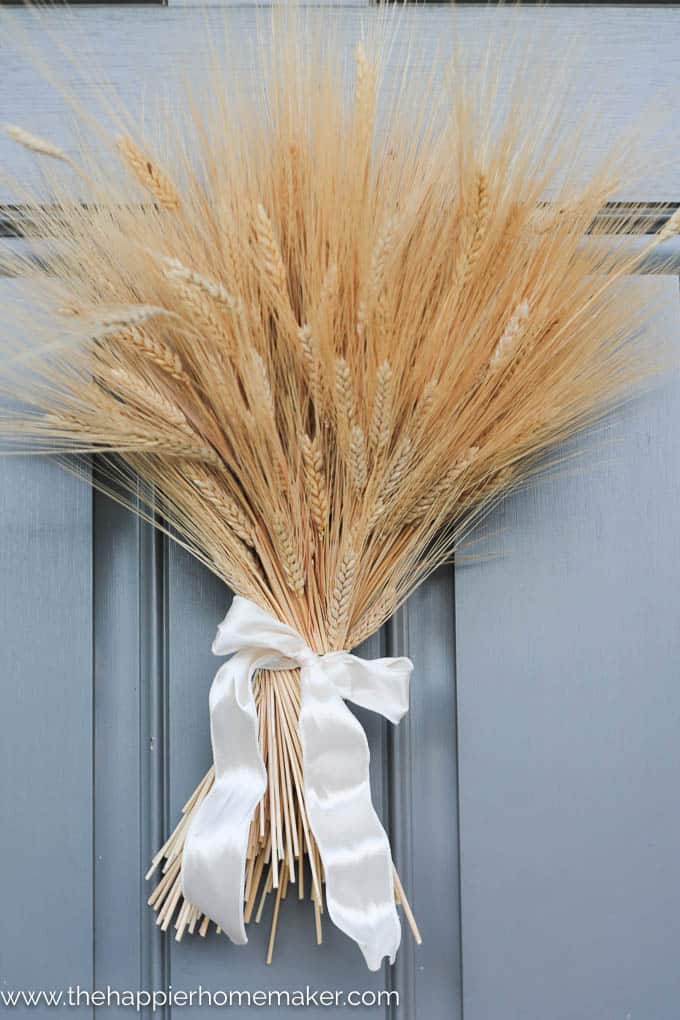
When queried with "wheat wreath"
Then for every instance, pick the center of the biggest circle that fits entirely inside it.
(327, 342)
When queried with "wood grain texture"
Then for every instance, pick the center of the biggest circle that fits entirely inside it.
(568, 644)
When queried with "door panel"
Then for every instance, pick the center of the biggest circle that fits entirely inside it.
(568, 645)
(46, 846)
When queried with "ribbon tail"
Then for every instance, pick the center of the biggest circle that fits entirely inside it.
(354, 847)
(214, 855)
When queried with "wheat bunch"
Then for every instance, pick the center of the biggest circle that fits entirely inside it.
(321, 354)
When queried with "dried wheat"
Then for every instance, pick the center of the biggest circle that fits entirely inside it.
(158, 353)
(381, 254)
(381, 421)
(146, 397)
(176, 270)
(315, 483)
(148, 174)
(35, 143)
(270, 253)
(232, 514)
(311, 362)
(506, 348)
(670, 229)
(471, 252)
(341, 598)
(291, 561)
(358, 462)
(115, 320)
(344, 395)
(437, 499)
(364, 98)
(373, 618)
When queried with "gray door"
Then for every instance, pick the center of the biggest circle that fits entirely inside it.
(531, 792)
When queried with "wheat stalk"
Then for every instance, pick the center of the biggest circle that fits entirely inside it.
(147, 398)
(341, 598)
(381, 421)
(117, 320)
(149, 175)
(158, 353)
(381, 254)
(437, 499)
(311, 362)
(35, 143)
(669, 229)
(364, 98)
(176, 270)
(291, 561)
(281, 846)
(397, 470)
(227, 507)
(373, 618)
(506, 348)
(261, 385)
(315, 483)
(361, 319)
(344, 395)
(358, 462)
(471, 252)
(270, 253)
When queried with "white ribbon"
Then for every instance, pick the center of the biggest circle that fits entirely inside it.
(353, 845)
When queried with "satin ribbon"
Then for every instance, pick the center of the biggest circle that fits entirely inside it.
(353, 845)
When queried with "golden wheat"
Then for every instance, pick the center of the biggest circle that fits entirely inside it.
(358, 462)
(149, 175)
(291, 561)
(157, 353)
(351, 336)
(344, 395)
(506, 347)
(35, 143)
(175, 270)
(471, 252)
(341, 598)
(312, 459)
(382, 408)
(272, 263)
(225, 506)
(373, 618)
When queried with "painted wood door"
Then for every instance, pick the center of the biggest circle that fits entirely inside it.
(531, 793)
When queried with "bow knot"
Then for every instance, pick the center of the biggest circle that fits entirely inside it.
(353, 845)
(307, 658)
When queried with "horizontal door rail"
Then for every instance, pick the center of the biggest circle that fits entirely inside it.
(18, 220)
(641, 222)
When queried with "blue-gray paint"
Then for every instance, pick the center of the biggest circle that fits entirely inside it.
(568, 652)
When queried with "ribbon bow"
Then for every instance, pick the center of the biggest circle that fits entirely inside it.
(353, 845)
